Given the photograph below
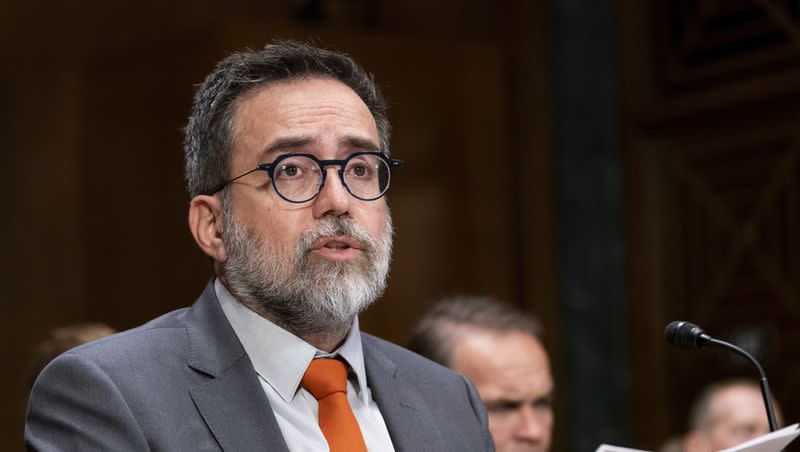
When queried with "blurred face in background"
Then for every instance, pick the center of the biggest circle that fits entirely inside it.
(736, 414)
(511, 372)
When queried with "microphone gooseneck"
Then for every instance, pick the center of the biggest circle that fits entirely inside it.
(687, 335)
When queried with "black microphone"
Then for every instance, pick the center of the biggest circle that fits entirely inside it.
(687, 335)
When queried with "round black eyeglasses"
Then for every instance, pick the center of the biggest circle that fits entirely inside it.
(299, 178)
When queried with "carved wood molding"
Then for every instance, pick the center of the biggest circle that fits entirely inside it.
(711, 57)
(711, 41)
(744, 234)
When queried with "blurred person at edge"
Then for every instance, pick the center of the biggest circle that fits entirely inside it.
(62, 339)
(726, 414)
(498, 348)
(287, 166)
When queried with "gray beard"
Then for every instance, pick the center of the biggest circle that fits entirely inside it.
(298, 290)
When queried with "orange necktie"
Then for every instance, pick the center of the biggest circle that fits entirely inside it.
(326, 380)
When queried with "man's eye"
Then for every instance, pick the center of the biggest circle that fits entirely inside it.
(503, 406)
(360, 170)
(543, 403)
(290, 170)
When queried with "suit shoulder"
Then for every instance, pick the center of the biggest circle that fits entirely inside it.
(165, 332)
(407, 359)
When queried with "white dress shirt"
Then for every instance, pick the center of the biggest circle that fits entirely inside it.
(280, 358)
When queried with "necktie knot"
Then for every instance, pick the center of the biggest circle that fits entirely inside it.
(326, 380)
(325, 376)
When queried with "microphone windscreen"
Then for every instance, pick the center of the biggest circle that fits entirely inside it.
(670, 330)
(683, 334)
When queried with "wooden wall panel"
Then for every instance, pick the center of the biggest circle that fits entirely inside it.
(42, 269)
(723, 255)
(135, 200)
(711, 115)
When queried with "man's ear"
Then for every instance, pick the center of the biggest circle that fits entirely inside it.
(205, 222)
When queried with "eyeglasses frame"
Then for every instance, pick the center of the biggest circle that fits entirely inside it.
(392, 164)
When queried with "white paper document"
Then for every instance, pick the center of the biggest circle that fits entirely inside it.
(771, 442)
(610, 448)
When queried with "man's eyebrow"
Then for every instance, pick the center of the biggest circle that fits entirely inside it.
(294, 143)
(503, 401)
(360, 143)
(285, 144)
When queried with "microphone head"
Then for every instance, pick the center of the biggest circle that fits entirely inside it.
(683, 334)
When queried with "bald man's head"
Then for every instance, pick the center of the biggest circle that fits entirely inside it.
(726, 414)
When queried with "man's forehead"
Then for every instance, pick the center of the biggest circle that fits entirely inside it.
(500, 344)
(508, 359)
(292, 115)
(737, 400)
(521, 387)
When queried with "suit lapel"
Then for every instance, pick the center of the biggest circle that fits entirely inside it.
(232, 401)
(237, 411)
(410, 424)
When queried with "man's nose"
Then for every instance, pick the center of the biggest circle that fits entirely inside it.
(531, 425)
(333, 199)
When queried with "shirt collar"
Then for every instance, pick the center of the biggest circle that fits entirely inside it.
(280, 357)
(352, 352)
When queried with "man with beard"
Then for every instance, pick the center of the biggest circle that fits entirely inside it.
(287, 165)
(498, 348)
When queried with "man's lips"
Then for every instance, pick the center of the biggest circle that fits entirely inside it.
(338, 247)
(338, 242)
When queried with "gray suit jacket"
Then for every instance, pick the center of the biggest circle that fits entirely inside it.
(183, 382)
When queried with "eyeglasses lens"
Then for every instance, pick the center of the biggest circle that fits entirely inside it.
(367, 176)
(297, 178)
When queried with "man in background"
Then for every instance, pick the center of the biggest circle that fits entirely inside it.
(498, 348)
(61, 339)
(726, 414)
